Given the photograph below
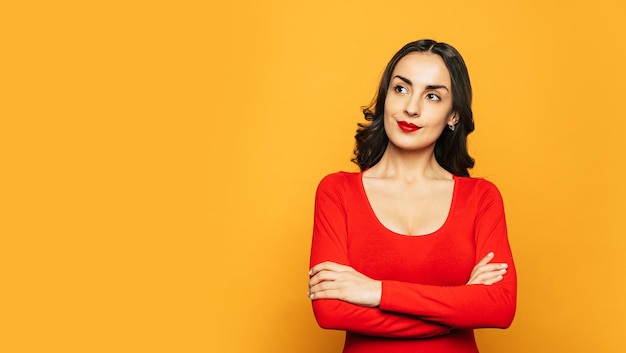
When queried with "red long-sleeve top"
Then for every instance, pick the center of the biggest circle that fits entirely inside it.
(426, 305)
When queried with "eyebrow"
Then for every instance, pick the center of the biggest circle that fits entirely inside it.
(408, 82)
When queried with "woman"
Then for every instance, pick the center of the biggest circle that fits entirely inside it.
(410, 254)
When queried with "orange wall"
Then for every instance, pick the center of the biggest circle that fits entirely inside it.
(161, 160)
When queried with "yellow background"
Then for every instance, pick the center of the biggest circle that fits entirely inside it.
(159, 162)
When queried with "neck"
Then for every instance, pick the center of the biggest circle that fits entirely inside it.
(409, 166)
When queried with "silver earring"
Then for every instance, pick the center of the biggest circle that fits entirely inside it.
(451, 127)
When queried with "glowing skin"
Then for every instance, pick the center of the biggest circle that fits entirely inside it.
(419, 102)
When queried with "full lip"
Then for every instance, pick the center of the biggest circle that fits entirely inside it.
(407, 126)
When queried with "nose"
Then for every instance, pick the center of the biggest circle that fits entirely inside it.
(412, 107)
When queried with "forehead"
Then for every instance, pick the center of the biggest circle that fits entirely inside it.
(423, 69)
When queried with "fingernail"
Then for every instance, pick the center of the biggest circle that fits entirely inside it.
(490, 254)
(311, 295)
(504, 265)
(499, 277)
(502, 271)
(310, 272)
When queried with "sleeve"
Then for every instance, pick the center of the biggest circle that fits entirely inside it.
(466, 306)
(330, 244)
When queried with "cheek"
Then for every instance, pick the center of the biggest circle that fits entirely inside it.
(387, 121)
(391, 105)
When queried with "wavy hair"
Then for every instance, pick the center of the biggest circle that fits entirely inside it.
(451, 147)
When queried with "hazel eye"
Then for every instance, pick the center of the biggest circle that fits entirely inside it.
(433, 97)
(399, 89)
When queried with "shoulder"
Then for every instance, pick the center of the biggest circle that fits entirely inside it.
(479, 189)
(339, 180)
(476, 183)
(339, 186)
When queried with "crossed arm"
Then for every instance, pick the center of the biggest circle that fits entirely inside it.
(346, 299)
(330, 280)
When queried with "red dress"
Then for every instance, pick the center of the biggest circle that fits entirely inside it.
(425, 304)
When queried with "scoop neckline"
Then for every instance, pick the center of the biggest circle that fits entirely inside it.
(455, 179)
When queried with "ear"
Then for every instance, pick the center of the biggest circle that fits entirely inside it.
(454, 118)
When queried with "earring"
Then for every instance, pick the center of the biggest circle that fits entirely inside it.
(452, 127)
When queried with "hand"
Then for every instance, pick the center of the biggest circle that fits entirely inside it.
(330, 280)
(487, 273)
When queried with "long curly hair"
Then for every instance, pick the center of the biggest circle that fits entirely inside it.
(451, 147)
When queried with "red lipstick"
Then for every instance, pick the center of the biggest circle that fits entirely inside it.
(407, 127)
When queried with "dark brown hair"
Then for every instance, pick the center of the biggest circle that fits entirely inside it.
(451, 147)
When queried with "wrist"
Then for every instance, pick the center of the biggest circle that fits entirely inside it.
(379, 293)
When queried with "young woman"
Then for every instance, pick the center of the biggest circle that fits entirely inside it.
(411, 254)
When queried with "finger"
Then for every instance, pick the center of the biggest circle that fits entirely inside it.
(327, 294)
(324, 275)
(333, 275)
(491, 274)
(315, 290)
(485, 277)
(322, 287)
(327, 265)
(494, 280)
(485, 260)
(486, 271)
(487, 268)
(490, 268)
